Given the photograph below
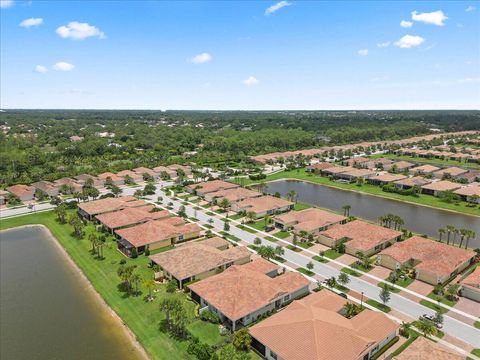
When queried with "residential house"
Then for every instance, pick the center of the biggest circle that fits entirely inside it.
(69, 185)
(89, 210)
(187, 170)
(386, 178)
(359, 236)
(142, 171)
(436, 188)
(423, 169)
(127, 217)
(162, 170)
(356, 161)
(450, 172)
(336, 170)
(3, 197)
(434, 262)
(243, 294)
(23, 192)
(310, 220)
(425, 349)
(318, 167)
(471, 285)
(203, 188)
(354, 174)
(263, 205)
(313, 328)
(155, 234)
(399, 166)
(82, 180)
(46, 187)
(136, 178)
(470, 193)
(232, 195)
(116, 179)
(410, 182)
(200, 259)
(470, 176)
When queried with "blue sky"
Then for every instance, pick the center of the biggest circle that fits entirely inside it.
(240, 55)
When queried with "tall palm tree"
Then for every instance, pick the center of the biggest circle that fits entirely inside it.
(471, 235)
(449, 229)
(427, 327)
(455, 233)
(149, 285)
(441, 232)
(463, 234)
(346, 210)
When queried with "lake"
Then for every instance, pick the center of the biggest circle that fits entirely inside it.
(47, 310)
(419, 219)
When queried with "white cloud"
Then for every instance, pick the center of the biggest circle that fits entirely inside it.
(201, 58)
(63, 66)
(270, 10)
(41, 69)
(470, 8)
(79, 31)
(251, 80)
(434, 18)
(409, 41)
(6, 3)
(406, 24)
(469, 80)
(31, 22)
(384, 44)
(362, 52)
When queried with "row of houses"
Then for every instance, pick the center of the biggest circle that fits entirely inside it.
(473, 155)
(77, 183)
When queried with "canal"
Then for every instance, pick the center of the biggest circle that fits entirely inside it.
(46, 308)
(419, 219)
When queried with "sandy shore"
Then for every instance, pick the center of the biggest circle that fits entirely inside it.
(116, 319)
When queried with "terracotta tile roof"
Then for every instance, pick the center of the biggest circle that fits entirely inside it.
(160, 169)
(239, 291)
(473, 279)
(321, 166)
(425, 169)
(453, 171)
(388, 177)
(363, 236)
(131, 216)
(110, 204)
(310, 219)
(196, 258)
(434, 257)
(312, 329)
(21, 190)
(113, 176)
(44, 185)
(356, 160)
(400, 165)
(216, 242)
(470, 190)
(413, 181)
(235, 194)
(130, 173)
(212, 186)
(358, 172)
(443, 185)
(144, 170)
(261, 265)
(338, 169)
(424, 349)
(84, 177)
(263, 203)
(156, 230)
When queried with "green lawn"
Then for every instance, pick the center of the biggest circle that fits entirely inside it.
(243, 227)
(477, 324)
(305, 245)
(305, 271)
(282, 234)
(378, 305)
(301, 206)
(391, 288)
(433, 306)
(320, 259)
(293, 248)
(443, 299)
(270, 238)
(236, 216)
(332, 254)
(421, 199)
(349, 271)
(259, 225)
(404, 283)
(413, 335)
(141, 317)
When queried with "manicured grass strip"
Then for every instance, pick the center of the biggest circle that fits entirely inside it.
(305, 271)
(209, 213)
(259, 225)
(253, 247)
(404, 283)
(301, 206)
(332, 254)
(208, 226)
(390, 288)
(349, 271)
(320, 259)
(342, 288)
(293, 248)
(269, 238)
(280, 259)
(443, 299)
(433, 306)
(413, 335)
(477, 324)
(385, 348)
(282, 234)
(253, 231)
(236, 216)
(305, 245)
(378, 305)
(361, 267)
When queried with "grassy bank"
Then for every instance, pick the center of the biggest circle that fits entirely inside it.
(142, 317)
(422, 199)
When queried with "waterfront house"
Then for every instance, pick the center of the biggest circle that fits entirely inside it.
(434, 262)
(88, 210)
(200, 259)
(311, 220)
(129, 217)
(437, 187)
(318, 167)
(452, 172)
(263, 205)
(313, 328)
(410, 182)
(243, 294)
(469, 193)
(354, 174)
(386, 178)
(232, 195)
(203, 188)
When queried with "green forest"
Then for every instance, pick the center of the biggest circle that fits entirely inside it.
(37, 144)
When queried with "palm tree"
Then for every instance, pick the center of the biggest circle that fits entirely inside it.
(471, 235)
(295, 240)
(267, 220)
(279, 251)
(346, 210)
(441, 232)
(427, 327)
(251, 216)
(149, 285)
(463, 234)
(351, 310)
(332, 282)
(291, 195)
(136, 279)
(303, 234)
(449, 229)
(310, 266)
(343, 278)
(405, 329)
(455, 233)
(267, 252)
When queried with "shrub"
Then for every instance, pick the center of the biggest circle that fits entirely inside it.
(210, 316)
(123, 262)
(134, 253)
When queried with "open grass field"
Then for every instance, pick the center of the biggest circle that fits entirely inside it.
(142, 317)
(421, 199)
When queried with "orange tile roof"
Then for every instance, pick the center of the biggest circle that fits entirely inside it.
(470, 190)
(473, 279)
(263, 203)
(105, 175)
(235, 194)
(131, 216)
(21, 190)
(195, 258)
(400, 165)
(358, 172)
(144, 170)
(110, 204)
(310, 219)
(312, 329)
(321, 166)
(239, 290)
(130, 173)
(156, 230)
(443, 185)
(434, 257)
(426, 169)
(453, 171)
(356, 160)
(261, 265)
(413, 181)
(424, 349)
(388, 177)
(363, 236)
(212, 186)
(338, 169)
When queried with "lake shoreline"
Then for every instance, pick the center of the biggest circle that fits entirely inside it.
(125, 330)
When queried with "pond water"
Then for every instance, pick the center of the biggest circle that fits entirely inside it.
(46, 310)
(419, 219)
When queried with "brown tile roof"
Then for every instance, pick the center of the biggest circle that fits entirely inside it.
(358, 172)
(44, 185)
(144, 170)
(473, 279)
(356, 160)
(160, 169)
(212, 186)
(239, 291)
(321, 166)
(388, 177)
(263, 203)
(234, 195)
(443, 185)
(470, 190)
(453, 171)
(424, 349)
(413, 181)
(216, 242)
(111, 175)
(338, 169)
(400, 165)
(435, 257)
(425, 169)
(261, 265)
(310, 219)
(363, 236)
(156, 230)
(131, 216)
(130, 173)
(110, 204)
(21, 190)
(196, 258)
(312, 329)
